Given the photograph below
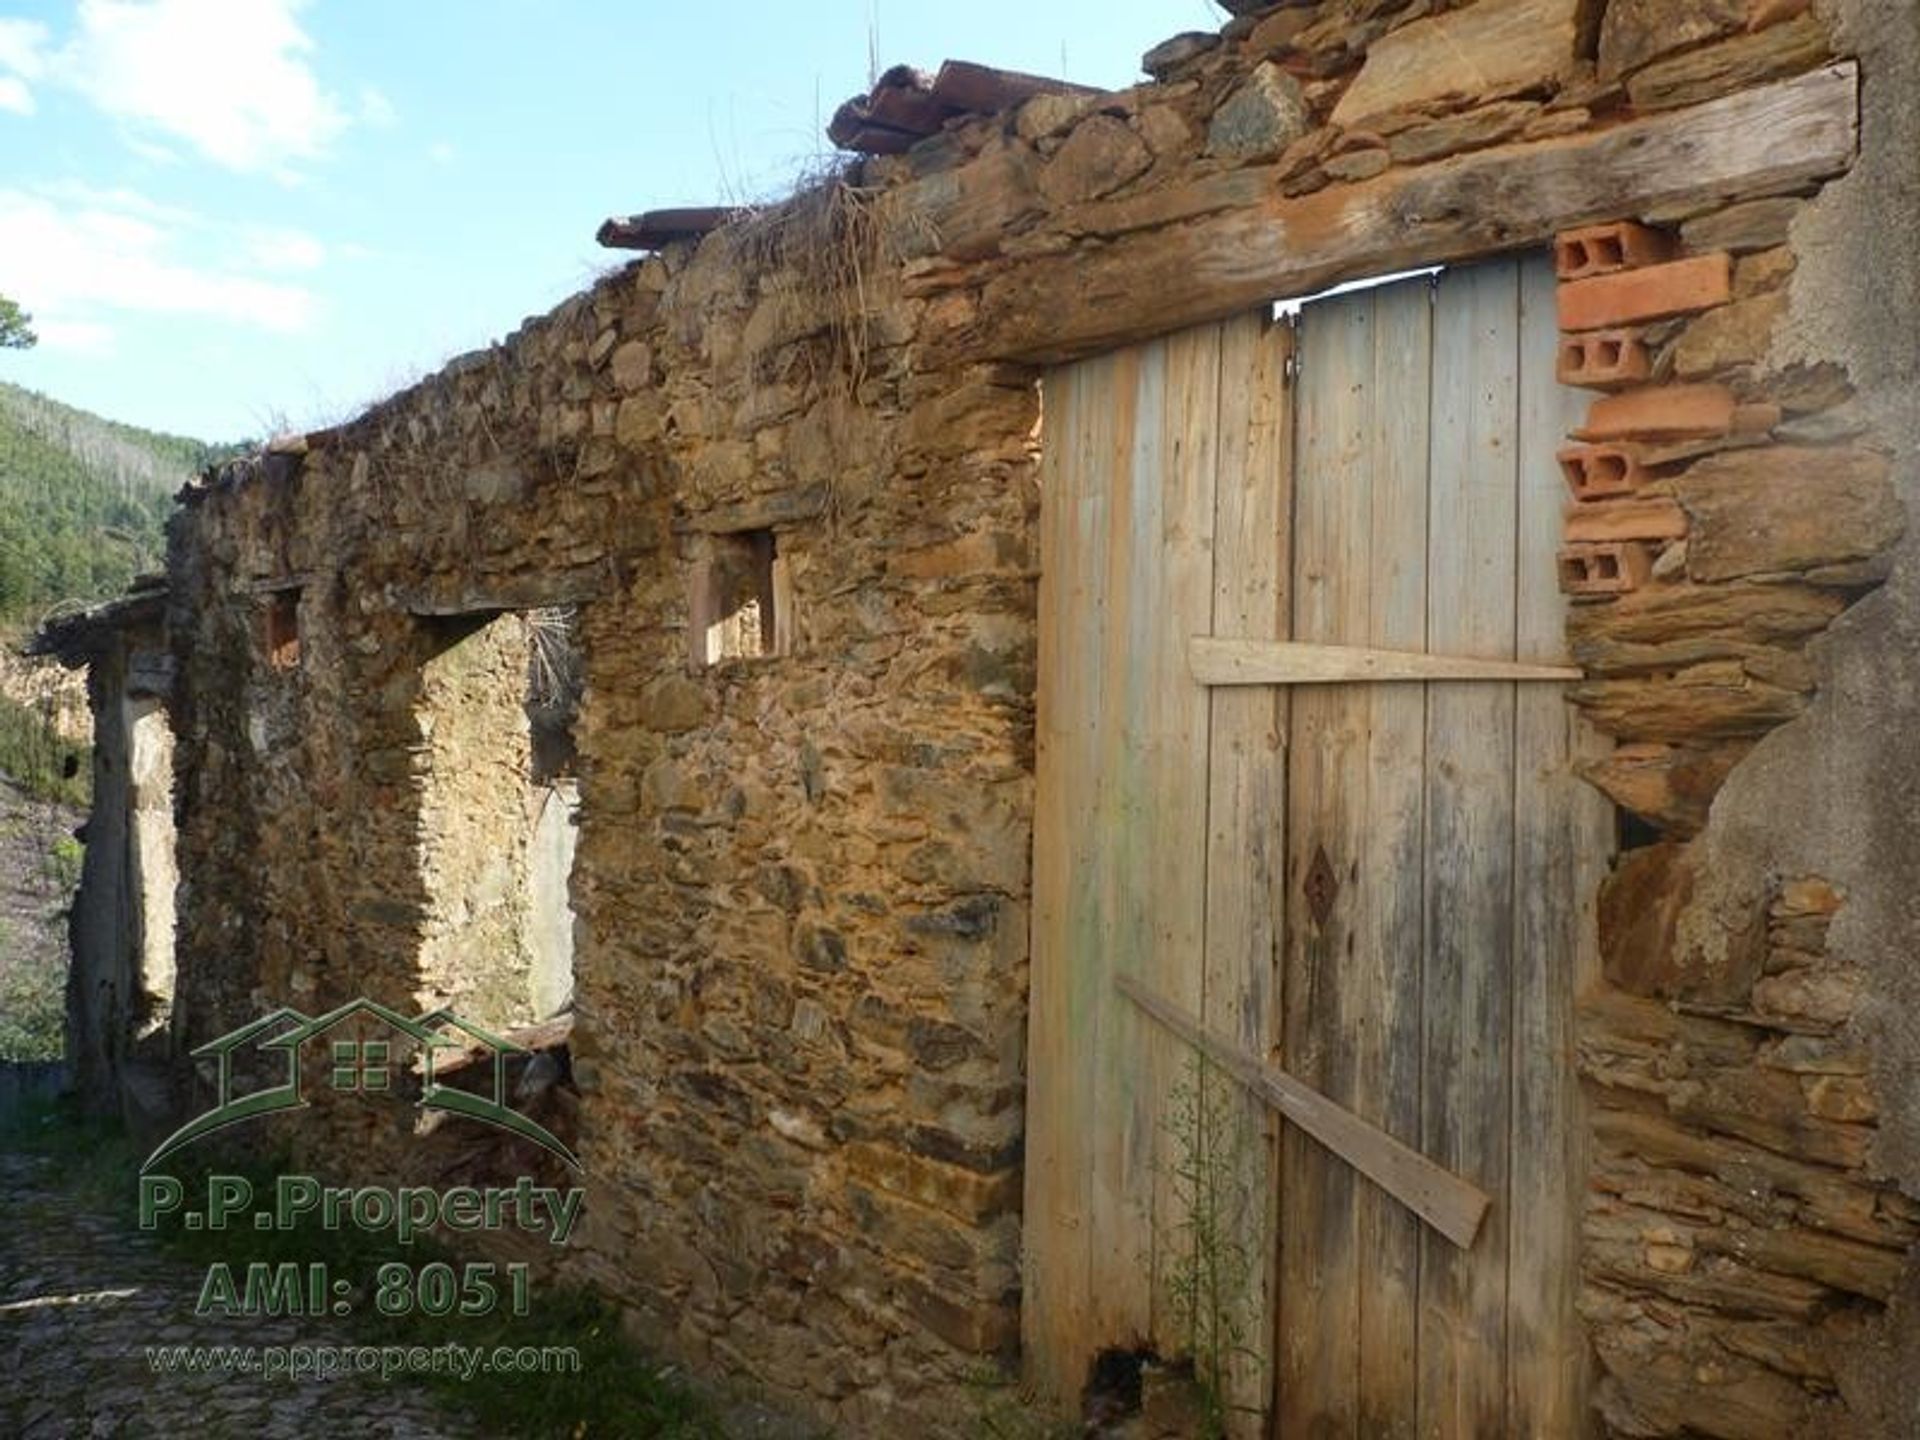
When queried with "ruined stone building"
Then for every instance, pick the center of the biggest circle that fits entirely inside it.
(898, 666)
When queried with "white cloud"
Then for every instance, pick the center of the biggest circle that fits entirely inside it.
(22, 58)
(78, 194)
(76, 337)
(441, 153)
(230, 78)
(285, 251)
(108, 251)
(23, 47)
(376, 109)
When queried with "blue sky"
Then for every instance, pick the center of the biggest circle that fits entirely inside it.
(230, 215)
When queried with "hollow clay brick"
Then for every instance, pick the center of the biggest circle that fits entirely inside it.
(1605, 360)
(1606, 249)
(1631, 519)
(1682, 287)
(1596, 472)
(1661, 412)
(1611, 568)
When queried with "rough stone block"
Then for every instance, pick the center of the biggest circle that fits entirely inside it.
(1640, 906)
(1714, 700)
(965, 1193)
(1785, 507)
(1261, 118)
(1607, 249)
(1808, 895)
(1514, 45)
(1353, 166)
(1671, 786)
(976, 1327)
(1473, 130)
(1276, 31)
(1100, 156)
(1729, 338)
(1737, 64)
(1818, 998)
(1762, 13)
(1171, 54)
(1653, 292)
(1740, 229)
(1634, 32)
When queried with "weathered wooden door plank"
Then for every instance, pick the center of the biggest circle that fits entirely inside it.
(1390, 922)
(1120, 834)
(1246, 807)
(1327, 789)
(1122, 1143)
(1452, 1206)
(1162, 830)
(1216, 660)
(1066, 903)
(1469, 838)
(1562, 838)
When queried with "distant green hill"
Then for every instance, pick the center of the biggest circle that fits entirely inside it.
(82, 502)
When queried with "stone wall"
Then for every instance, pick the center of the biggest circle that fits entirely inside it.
(120, 981)
(800, 880)
(50, 689)
(801, 877)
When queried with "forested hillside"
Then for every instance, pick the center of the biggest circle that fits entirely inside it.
(82, 502)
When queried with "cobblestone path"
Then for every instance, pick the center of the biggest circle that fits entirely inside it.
(83, 1294)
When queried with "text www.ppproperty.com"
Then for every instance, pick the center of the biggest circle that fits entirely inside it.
(322, 1362)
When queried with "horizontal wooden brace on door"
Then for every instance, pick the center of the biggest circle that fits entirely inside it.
(1216, 661)
(1449, 1204)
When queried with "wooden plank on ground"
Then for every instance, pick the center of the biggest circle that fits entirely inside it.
(1237, 661)
(1469, 840)
(1451, 1206)
(1760, 141)
(1388, 936)
(1326, 807)
(1561, 841)
(1246, 810)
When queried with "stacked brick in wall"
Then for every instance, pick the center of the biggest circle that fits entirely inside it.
(1738, 1240)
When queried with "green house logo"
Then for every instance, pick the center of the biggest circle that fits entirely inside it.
(359, 1066)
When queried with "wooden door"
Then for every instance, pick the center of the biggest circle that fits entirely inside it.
(1380, 889)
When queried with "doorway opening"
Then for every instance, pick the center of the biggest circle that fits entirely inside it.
(499, 698)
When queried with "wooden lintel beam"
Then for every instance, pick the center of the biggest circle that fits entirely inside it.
(1442, 1199)
(659, 228)
(1082, 301)
(581, 585)
(1284, 662)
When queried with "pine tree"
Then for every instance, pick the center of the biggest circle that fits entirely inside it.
(14, 331)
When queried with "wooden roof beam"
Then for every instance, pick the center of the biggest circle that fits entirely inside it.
(658, 228)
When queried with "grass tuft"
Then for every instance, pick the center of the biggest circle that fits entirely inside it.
(38, 760)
